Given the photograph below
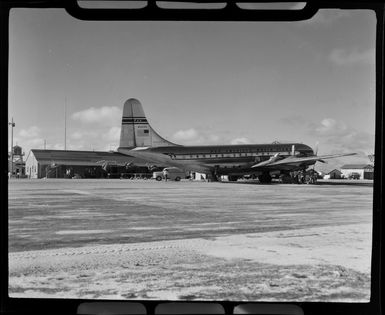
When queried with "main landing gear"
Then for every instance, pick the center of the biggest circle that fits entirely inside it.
(264, 178)
(233, 178)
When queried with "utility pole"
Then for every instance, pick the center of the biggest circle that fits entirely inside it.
(65, 123)
(12, 125)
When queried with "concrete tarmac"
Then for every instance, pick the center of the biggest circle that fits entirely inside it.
(314, 240)
(58, 213)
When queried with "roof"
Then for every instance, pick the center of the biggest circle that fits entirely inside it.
(335, 171)
(81, 157)
(356, 166)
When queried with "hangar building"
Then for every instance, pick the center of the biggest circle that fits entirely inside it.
(365, 171)
(83, 164)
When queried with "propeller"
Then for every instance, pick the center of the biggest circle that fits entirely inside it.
(103, 163)
(151, 167)
(128, 165)
(105, 166)
(315, 150)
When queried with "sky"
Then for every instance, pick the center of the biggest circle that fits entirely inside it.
(200, 83)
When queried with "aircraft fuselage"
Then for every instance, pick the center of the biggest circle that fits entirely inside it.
(233, 159)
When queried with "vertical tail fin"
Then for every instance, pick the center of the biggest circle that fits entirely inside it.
(136, 131)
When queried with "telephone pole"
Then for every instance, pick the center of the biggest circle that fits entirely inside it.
(12, 123)
(65, 124)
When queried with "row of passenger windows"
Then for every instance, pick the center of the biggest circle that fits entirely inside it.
(222, 155)
(261, 149)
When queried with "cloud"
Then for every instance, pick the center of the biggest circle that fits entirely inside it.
(109, 147)
(194, 137)
(28, 143)
(207, 136)
(105, 130)
(31, 132)
(186, 135)
(338, 137)
(57, 146)
(343, 57)
(330, 126)
(104, 115)
(103, 139)
(112, 135)
(213, 138)
(342, 138)
(82, 135)
(28, 139)
(241, 140)
(32, 143)
(76, 135)
(97, 138)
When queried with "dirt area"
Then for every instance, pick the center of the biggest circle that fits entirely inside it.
(266, 266)
(250, 245)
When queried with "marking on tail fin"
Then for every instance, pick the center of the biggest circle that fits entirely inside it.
(134, 120)
(136, 130)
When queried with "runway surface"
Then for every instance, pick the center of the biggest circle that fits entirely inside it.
(124, 239)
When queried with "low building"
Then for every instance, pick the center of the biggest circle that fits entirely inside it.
(198, 176)
(16, 168)
(81, 164)
(362, 171)
(334, 174)
(16, 164)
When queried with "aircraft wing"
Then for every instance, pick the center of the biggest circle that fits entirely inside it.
(166, 160)
(298, 161)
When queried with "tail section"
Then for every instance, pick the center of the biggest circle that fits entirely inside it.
(136, 131)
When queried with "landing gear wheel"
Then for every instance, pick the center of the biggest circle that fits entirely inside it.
(264, 178)
(286, 179)
(233, 178)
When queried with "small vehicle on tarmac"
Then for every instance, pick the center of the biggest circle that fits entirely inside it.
(169, 173)
(354, 176)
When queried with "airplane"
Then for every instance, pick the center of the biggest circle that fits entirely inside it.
(138, 139)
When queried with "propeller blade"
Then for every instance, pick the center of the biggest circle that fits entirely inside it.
(316, 148)
(128, 164)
